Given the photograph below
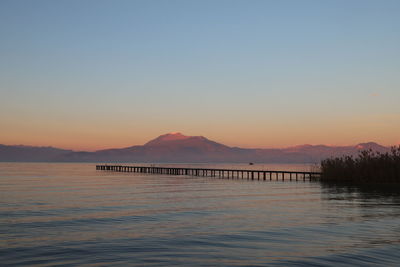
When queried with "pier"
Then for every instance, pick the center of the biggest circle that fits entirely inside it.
(218, 173)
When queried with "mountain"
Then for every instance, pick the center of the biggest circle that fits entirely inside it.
(318, 152)
(172, 147)
(176, 147)
(373, 146)
(162, 139)
(30, 153)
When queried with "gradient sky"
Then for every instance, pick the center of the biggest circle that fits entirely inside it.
(101, 74)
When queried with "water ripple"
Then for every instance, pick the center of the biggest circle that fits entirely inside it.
(70, 214)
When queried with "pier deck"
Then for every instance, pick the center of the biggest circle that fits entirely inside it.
(219, 173)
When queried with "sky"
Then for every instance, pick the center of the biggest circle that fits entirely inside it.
(88, 75)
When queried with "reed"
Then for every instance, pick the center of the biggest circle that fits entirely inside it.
(368, 166)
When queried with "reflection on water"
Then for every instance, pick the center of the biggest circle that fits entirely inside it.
(54, 214)
(367, 192)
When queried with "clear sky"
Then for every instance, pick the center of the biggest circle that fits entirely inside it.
(99, 74)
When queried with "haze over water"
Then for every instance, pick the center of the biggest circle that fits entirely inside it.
(71, 214)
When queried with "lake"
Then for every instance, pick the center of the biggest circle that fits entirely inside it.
(63, 214)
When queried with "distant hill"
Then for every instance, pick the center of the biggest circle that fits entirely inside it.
(173, 147)
(176, 147)
(30, 153)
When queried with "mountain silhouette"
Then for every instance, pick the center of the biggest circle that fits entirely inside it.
(166, 138)
(30, 153)
(178, 148)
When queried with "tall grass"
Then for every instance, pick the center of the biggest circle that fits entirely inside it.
(368, 166)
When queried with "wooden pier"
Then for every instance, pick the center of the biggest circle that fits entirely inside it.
(219, 173)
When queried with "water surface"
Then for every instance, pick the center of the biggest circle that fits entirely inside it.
(71, 214)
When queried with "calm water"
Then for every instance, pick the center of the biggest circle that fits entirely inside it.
(70, 214)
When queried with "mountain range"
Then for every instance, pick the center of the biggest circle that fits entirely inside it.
(176, 147)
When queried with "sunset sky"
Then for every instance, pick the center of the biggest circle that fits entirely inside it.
(87, 75)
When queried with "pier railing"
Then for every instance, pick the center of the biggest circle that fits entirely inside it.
(219, 173)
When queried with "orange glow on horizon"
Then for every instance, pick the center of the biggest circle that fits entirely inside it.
(90, 135)
(99, 141)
